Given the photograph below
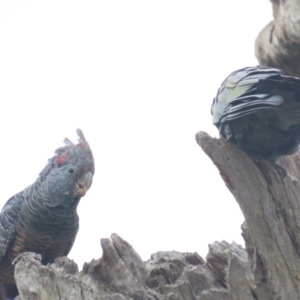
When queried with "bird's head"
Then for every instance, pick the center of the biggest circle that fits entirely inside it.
(69, 173)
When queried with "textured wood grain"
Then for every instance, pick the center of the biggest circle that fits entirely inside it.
(121, 274)
(270, 203)
(278, 43)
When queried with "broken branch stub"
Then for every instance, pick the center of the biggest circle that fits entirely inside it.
(270, 203)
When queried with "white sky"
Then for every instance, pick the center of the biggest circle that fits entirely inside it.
(138, 77)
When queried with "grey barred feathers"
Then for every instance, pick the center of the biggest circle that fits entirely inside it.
(258, 109)
(42, 218)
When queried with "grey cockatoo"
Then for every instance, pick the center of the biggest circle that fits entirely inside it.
(258, 109)
(42, 218)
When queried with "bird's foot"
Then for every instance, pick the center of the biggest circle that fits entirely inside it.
(227, 132)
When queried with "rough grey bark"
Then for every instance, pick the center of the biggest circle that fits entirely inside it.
(121, 274)
(278, 44)
(270, 202)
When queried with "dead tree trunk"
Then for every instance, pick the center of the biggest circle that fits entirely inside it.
(270, 202)
(278, 44)
(120, 274)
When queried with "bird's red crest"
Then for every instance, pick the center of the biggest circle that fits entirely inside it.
(61, 158)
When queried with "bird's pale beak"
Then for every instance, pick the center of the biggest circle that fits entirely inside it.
(84, 183)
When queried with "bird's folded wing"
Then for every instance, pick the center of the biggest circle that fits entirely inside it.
(8, 222)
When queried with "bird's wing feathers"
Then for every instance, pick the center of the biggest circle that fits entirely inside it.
(258, 109)
(249, 104)
(244, 92)
(8, 222)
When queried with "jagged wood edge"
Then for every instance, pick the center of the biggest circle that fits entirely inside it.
(270, 203)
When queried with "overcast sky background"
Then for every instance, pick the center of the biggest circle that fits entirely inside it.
(138, 77)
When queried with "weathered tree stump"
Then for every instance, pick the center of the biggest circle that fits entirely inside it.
(278, 44)
(270, 203)
(121, 274)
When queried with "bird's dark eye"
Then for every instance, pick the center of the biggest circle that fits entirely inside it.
(71, 170)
